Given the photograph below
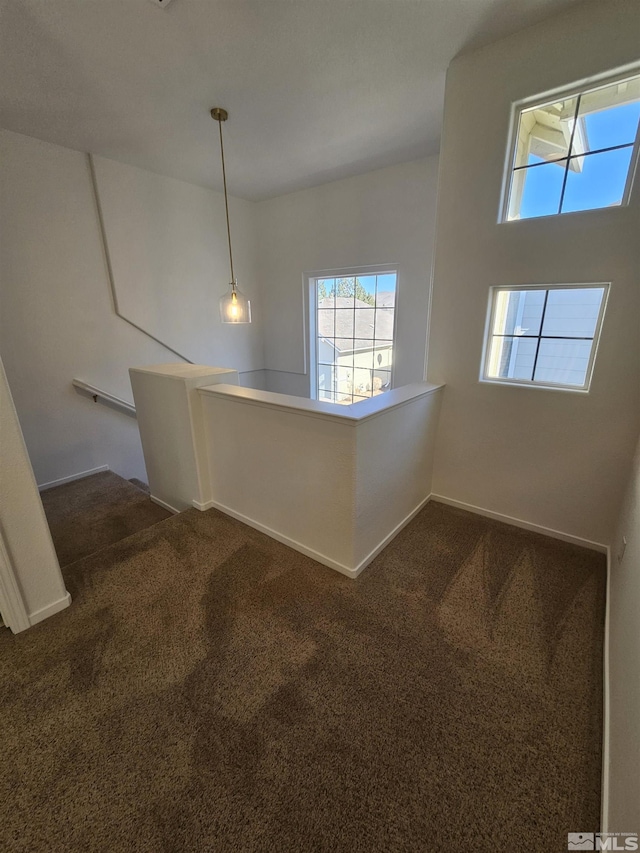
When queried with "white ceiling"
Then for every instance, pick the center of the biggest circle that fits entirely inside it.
(316, 89)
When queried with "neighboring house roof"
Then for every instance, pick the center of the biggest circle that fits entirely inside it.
(356, 333)
(386, 299)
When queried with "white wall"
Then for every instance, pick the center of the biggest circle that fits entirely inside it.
(172, 430)
(334, 482)
(57, 312)
(394, 469)
(23, 527)
(555, 459)
(167, 244)
(383, 217)
(57, 319)
(624, 664)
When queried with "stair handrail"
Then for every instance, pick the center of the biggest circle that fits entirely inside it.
(99, 394)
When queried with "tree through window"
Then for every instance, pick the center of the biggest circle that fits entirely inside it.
(354, 321)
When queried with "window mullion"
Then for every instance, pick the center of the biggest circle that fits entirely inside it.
(317, 347)
(545, 134)
(574, 156)
(375, 314)
(535, 359)
(573, 133)
(334, 372)
(353, 343)
(345, 358)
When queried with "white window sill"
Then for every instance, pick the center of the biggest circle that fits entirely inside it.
(537, 385)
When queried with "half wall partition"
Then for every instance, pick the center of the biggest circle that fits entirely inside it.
(334, 482)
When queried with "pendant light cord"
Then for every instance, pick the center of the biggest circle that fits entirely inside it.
(226, 204)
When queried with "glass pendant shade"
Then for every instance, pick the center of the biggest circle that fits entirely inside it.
(234, 306)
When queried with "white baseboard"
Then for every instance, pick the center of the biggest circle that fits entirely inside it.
(164, 505)
(49, 610)
(280, 537)
(518, 522)
(604, 808)
(204, 506)
(79, 476)
(373, 554)
(351, 572)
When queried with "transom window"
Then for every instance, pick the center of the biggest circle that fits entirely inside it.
(354, 335)
(544, 335)
(575, 153)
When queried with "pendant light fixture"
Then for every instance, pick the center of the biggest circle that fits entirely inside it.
(234, 305)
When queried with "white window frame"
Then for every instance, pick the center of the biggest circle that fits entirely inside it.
(311, 305)
(581, 88)
(531, 383)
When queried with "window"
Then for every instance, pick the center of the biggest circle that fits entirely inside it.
(353, 318)
(544, 335)
(576, 152)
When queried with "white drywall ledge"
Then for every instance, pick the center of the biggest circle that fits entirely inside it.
(354, 414)
(336, 483)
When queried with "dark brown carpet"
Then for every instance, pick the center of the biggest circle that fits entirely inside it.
(211, 690)
(89, 514)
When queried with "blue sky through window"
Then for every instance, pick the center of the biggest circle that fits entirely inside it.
(615, 126)
(369, 283)
(386, 283)
(542, 190)
(602, 179)
(601, 182)
(354, 340)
